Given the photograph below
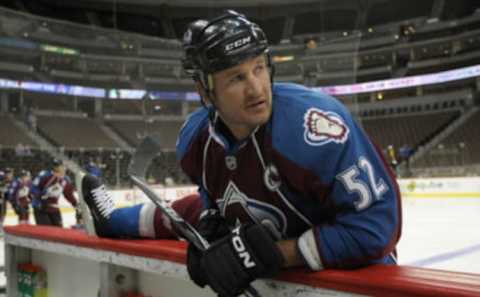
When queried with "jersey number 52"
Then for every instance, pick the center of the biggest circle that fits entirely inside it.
(367, 190)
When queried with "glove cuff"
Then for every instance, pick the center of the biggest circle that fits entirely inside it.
(307, 247)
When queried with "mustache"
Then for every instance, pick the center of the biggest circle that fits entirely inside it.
(255, 101)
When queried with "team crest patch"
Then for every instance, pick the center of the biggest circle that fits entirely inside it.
(322, 127)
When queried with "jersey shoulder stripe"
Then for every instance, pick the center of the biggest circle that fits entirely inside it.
(195, 123)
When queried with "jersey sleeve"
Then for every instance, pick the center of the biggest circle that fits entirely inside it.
(361, 188)
(68, 191)
(35, 188)
(190, 150)
(367, 226)
(11, 193)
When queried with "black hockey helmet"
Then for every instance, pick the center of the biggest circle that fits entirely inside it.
(24, 173)
(56, 163)
(221, 43)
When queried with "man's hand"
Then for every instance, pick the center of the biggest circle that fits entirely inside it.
(211, 226)
(230, 264)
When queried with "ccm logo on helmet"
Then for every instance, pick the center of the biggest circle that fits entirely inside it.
(240, 249)
(237, 43)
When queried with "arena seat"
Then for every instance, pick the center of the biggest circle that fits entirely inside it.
(460, 148)
(134, 131)
(11, 135)
(72, 132)
(411, 130)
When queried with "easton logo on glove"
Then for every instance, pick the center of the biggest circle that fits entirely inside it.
(239, 247)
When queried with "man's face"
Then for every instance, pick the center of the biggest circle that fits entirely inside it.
(26, 178)
(59, 171)
(243, 96)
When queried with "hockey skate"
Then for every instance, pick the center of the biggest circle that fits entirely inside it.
(97, 205)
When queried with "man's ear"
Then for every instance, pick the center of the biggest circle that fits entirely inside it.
(203, 94)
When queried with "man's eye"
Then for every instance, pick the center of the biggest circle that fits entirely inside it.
(259, 67)
(236, 78)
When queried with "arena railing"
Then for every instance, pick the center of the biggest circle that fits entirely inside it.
(157, 268)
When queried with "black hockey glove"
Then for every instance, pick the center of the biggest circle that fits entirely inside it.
(211, 226)
(233, 262)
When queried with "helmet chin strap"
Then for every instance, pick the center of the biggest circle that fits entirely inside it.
(206, 83)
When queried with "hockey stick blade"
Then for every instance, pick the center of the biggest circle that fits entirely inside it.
(144, 155)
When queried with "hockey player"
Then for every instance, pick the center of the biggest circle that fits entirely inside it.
(286, 168)
(46, 189)
(6, 177)
(19, 196)
(94, 168)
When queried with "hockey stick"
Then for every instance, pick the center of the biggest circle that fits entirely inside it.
(143, 157)
(184, 228)
(146, 152)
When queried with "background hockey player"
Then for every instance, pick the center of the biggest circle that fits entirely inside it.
(47, 188)
(19, 196)
(288, 169)
(6, 177)
(94, 167)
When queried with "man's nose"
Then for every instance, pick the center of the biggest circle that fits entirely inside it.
(254, 86)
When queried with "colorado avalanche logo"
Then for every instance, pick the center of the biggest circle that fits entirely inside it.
(23, 192)
(323, 127)
(54, 190)
(235, 205)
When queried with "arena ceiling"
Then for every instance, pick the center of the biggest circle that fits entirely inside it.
(280, 18)
(207, 3)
